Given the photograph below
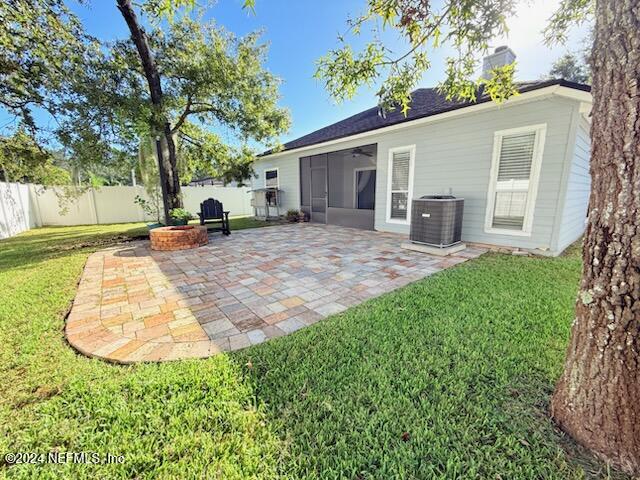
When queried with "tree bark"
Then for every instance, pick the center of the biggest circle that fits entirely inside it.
(167, 163)
(597, 399)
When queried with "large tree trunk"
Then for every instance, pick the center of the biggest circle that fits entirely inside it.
(173, 178)
(167, 161)
(597, 400)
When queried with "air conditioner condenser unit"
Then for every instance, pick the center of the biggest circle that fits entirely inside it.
(436, 220)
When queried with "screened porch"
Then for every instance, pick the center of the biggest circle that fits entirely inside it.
(339, 188)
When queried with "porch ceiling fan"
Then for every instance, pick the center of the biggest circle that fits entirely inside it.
(360, 151)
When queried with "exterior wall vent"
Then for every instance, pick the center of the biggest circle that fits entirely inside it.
(436, 220)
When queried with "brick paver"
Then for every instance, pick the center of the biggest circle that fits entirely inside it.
(135, 304)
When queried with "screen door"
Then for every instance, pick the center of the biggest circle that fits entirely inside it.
(319, 195)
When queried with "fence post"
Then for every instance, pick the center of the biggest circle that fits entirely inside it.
(33, 198)
(94, 207)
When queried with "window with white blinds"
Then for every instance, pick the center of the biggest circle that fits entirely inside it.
(400, 173)
(516, 164)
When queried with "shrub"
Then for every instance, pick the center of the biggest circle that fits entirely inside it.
(180, 214)
(293, 215)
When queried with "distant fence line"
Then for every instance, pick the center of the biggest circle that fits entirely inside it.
(25, 206)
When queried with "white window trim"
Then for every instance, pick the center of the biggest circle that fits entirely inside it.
(264, 173)
(412, 157)
(536, 165)
(355, 183)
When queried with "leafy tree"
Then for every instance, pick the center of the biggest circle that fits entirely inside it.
(41, 43)
(573, 66)
(597, 399)
(45, 50)
(570, 67)
(22, 159)
(40, 40)
(118, 173)
(179, 84)
(199, 73)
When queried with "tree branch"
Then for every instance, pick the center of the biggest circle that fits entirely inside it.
(183, 117)
(141, 41)
(424, 38)
(190, 139)
(207, 106)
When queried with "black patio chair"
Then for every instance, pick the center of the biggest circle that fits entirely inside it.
(212, 211)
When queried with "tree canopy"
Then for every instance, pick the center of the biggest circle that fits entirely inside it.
(571, 67)
(22, 159)
(212, 82)
(219, 99)
(41, 40)
(466, 26)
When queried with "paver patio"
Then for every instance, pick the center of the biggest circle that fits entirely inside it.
(134, 304)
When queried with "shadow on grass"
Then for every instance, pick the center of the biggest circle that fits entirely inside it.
(37, 245)
(449, 377)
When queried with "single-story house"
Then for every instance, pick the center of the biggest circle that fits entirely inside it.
(522, 166)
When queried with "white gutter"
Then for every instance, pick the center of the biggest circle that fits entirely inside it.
(558, 90)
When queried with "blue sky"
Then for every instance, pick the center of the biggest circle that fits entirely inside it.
(300, 31)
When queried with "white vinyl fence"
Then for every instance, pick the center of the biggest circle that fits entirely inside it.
(16, 213)
(27, 206)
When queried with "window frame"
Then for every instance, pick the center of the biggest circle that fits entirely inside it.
(274, 169)
(412, 157)
(540, 131)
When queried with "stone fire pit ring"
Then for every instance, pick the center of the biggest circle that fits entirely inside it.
(178, 238)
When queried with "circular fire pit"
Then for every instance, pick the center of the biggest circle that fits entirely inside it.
(178, 238)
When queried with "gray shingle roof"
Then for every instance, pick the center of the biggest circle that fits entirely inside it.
(425, 102)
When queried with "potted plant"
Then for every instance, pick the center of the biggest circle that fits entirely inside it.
(180, 216)
(292, 216)
(304, 216)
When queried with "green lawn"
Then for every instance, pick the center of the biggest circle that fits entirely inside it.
(447, 378)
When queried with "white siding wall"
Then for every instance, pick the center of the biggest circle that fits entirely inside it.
(576, 199)
(288, 178)
(456, 153)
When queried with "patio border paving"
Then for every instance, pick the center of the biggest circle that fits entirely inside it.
(134, 304)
